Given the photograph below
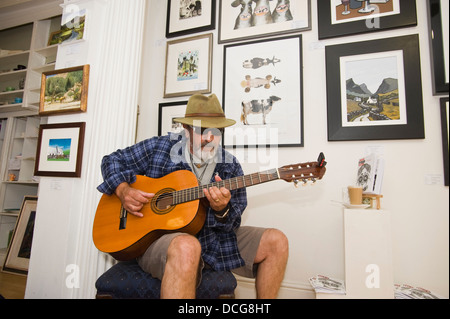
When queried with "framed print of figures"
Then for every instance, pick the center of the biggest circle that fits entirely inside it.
(345, 17)
(188, 66)
(60, 150)
(64, 91)
(263, 92)
(167, 113)
(18, 256)
(438, 20)
(374, 90)
(251, 19)
(190, 16)
(445, 139)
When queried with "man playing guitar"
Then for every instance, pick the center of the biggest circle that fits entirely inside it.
(222, 244)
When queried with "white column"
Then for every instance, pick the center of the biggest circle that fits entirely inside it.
(64, 261)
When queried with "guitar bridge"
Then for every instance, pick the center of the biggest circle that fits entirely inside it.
(123, 218)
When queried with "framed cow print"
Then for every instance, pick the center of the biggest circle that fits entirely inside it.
(263, 93)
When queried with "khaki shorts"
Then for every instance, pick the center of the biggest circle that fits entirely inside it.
(154, 259)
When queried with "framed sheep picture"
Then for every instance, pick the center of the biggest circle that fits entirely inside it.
(251, 19)
(263, 93)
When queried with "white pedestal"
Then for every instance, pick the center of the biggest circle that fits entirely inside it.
(368, 255)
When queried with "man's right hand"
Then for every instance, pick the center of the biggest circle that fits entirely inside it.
(133, 199)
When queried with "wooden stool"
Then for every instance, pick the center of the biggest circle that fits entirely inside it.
(371, 198)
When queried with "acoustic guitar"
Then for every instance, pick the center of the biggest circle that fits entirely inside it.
(176, 207)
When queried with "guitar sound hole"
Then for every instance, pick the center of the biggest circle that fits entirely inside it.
(162, 202)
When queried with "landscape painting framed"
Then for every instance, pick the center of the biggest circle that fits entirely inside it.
(167, 113)
(60, 150)
(19, 251)
(188, 66)
(374, 90)
(64, 91)
(249, 20)
(190, 16)
(263, 93)
(346, 17)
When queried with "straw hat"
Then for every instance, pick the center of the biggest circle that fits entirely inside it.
(206, 109)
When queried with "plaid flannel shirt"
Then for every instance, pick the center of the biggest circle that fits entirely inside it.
(159, 156)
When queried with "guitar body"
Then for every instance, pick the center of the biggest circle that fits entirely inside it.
(129, 237)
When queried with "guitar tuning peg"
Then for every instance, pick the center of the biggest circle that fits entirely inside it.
(314, 180)
(296, 183)
(305, 181)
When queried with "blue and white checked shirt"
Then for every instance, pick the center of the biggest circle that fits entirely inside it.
(152, 158)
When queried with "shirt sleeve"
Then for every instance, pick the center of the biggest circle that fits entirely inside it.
(123, 165)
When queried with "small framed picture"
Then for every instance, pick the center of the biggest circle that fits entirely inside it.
(167, 113)
(346, 17)
(188, 66)
(374, 90)
(60, 150)
(18, 256)
(64, 91)
(190, 16)
(249, 20)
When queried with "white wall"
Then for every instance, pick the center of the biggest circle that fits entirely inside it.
(313, 224)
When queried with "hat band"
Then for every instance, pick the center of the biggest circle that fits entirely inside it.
(205, 115)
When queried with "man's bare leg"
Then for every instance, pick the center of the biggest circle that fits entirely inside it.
(272, 256)
(180, 275)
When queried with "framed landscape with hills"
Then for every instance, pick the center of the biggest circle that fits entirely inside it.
(374, 90)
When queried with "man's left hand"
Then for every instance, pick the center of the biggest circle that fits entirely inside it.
(218, 198)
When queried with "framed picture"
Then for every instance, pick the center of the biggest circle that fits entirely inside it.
(445, 138)
(190, 16)
(188, 66)
(18, 256)
(345, 17)
(248, 20)
(64, 91)
(60, 150)
(263, 92)
(72, 28)
(167, 113)
(374, 90)
(439, 37)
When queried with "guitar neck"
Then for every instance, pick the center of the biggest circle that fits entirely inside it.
(194, 193)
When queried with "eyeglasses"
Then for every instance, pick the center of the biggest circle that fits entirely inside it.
(203, 131)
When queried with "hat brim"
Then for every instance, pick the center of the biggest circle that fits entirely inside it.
(206, 122)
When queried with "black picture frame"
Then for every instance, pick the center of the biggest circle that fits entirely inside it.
(211, 25)
(281, 59)
(166, 113)
(445, 140)
(407, 17)
(414, 127)
(440, 81)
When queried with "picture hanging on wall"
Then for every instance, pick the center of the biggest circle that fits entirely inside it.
(439, 37)
(248, 19)
(64, 91)
(345, 17)
(167, 113)
(72, 28)
(60, 150)
(190, 16)
(18, 256)
(188, 66)
(445, 138)
(263, 92)
(374, 90)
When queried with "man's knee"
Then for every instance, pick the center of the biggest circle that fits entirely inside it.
(276, 241)
(185, 250)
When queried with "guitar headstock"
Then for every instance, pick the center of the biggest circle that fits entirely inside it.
(304, 172)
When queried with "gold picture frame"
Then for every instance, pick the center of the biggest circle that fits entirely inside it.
(64, 91)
